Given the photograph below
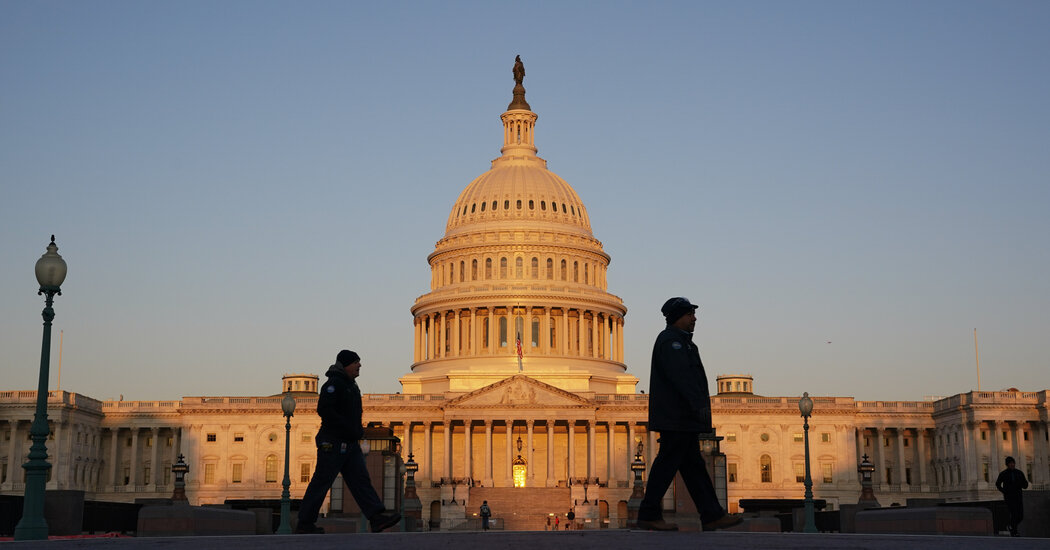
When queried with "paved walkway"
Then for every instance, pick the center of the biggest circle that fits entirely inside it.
(572, 540)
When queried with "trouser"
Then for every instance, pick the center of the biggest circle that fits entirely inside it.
(680, 453)
(1016, 507)
(485, 522)
(335, 457)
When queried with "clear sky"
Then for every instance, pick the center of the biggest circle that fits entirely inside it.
(241, 189)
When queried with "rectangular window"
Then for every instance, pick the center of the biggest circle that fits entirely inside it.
(238, 438)
(306, 437)
(885, 442)
(731, 437)
(1026, 436)
(211, 438)
(984, 435)
(907, 442)
(236, 475)
(146, 475)
(800, 472)
(304, 472)
(889, 475)
(209, 473)
(1005, 438)
(149, 442)
(827, 470)
(825, 437)
(907, 476)
(171, 441)
(127, 475)
(798, 438)
(984, 470)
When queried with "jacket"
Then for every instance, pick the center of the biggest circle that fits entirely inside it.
(1010, 482)
(679, 400)
(339, 406)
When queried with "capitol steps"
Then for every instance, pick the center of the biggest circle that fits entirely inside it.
(521, 508)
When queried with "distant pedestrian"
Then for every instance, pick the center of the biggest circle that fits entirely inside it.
(1010, 483)
(557, 520)
(680, 409)
(570, 520)
(548, 526)
(339, 449)
(486, 513)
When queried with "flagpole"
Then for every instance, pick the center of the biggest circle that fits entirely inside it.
(977, 357)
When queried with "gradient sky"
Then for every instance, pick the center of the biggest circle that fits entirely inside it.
(241, 189)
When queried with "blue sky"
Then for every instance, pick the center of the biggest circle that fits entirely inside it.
(241, 189)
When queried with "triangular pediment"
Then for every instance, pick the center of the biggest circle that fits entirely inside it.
(519, 391)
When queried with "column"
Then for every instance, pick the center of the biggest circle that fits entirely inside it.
(176, 444)
(468, 449)
(995, 462)
(113, 461)
(551, 482)
(488, 441)
(447, 463)
(134, 458)
(610, 470)
(970, 453)
(154, 463)
(14, 464)
(1015, 445)
(920, 451)
(594, 334)
(545, 337)
(619, 339)
(415, 335)
(492, 342)
(474, 331)
(428, 451)
(900, 458)
(592, 450)
(572, 449)
(526, 344)
(632, 448)
(563, 333)
(455, 333)
(529, 425)
(510, 453)
(441, 334)
(880, 465)
(581, 340)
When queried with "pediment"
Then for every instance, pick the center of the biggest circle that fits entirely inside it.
(518, 391)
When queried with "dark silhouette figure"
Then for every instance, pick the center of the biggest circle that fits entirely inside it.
(519, 70)
(1010, 483)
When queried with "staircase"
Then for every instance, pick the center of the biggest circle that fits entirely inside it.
(521, 508)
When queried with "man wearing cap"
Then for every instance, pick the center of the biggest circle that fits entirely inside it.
(1010, 483)
(339, 449)
(680, 409)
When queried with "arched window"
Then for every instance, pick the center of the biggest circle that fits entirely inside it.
(462, 270)
(464, 209)
(572, 209)
(575, 272)
(564, 275)
(451, 272)
(543, 206)
(535, 268)
(518, 270)
(506, 205)
(554, 207)
(586, 273)
(563, 208)
(532, 205)
(271, 468)
(535, 332)
(519, 204)
(765, 465)
(519, 327)
(474, 207)
(474, 270)
(503, 268)
(485, 333)
(482, 207)
(503, 332)
(550, 268)
(488, 268)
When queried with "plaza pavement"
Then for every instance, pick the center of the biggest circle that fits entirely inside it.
(571, 540)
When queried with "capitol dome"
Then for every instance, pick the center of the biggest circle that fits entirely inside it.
(518, 283)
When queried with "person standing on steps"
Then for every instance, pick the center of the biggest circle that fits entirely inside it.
(339, 449)
(486, 513)
(680, 409)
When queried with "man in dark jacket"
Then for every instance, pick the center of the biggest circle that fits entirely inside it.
(339, 449)
(680, 409)
(1010, 483)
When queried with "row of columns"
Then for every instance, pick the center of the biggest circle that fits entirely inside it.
(116, 460)
(80, 459)
(438, 336)
(898, 460)
(970, 450)
(589, 470)
(447, 273)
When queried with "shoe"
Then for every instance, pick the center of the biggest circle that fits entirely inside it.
(309, 530)
(383, 520)
(656, 525)
(723, 522)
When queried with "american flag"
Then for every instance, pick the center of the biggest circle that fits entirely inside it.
(518, 344)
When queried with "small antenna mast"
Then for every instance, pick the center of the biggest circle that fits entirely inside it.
(977, 357)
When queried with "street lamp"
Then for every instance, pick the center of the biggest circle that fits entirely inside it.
(805, 406)
(288, 407)
(50, 273)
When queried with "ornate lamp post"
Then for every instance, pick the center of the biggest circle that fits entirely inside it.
(867, 495)
(288, 407)
(638, 493)
(412, 506)
(50, 273)
(180, 469)
(805, 406)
